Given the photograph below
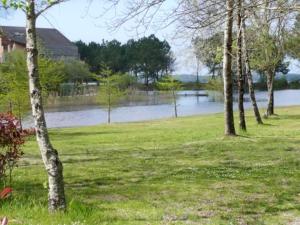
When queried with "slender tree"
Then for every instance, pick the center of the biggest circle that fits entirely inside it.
(227, 73)
(113, 88)
(171, 85)
(53, 165)
(249, 75)
(240, 74)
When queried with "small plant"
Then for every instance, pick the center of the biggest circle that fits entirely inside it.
(169, 84)
(113, 88)
(12, 137)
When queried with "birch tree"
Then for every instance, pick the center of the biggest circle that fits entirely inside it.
(269, 19)
(33, 9)
(249, 74)
(227, 73)
(240, 74)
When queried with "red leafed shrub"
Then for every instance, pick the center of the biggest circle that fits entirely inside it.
(12, 137)
(5, 193)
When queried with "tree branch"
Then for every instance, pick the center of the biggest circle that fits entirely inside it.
(53, 3)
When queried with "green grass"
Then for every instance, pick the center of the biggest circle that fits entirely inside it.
(176, 171)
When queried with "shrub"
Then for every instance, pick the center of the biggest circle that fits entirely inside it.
(294, 85)
(12, 137)
(215, 85)
(281, 83)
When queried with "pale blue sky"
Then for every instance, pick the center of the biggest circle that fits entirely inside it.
(77, 21)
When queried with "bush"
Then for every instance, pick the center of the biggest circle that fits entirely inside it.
(280, 83)
(294, 85)
(215, 85)
(12, 137)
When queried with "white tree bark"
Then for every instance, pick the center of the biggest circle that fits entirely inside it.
(240, 73)
(227, 73)
(249, 75)
(49, 155)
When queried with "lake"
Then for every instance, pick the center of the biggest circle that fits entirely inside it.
(154, 107)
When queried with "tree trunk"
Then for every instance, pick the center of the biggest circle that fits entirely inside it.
(175, 103)
(270, 84)
(197, 73)
(50, 157)
(227, 73)
(214, 73)
(109, 106)
(240, 74)
(249, 75)
(108, 115)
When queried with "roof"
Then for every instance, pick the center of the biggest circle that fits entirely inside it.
(51, 39)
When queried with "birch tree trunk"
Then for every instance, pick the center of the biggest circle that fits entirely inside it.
(270, 84)
(249, 75)
(50, 157)
(240, 73)
(227, 73)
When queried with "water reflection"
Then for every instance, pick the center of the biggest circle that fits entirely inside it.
(155, 107)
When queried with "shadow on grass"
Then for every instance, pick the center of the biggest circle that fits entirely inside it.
(267, 125)
(291, 117)
(62, 135)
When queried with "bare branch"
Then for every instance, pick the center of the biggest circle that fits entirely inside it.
(48, 6)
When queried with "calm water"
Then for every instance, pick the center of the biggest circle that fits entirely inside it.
(155, 108)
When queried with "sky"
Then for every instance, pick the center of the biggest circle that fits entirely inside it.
(78, 20)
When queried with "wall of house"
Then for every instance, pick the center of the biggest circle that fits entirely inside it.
(1, 50)
(17, 46)
(8, 46)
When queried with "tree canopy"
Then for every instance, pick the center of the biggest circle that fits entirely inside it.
(148, 58)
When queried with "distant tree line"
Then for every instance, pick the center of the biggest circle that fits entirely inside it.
(147, 58)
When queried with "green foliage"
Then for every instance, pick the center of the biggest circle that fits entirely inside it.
(147, 57)
(266, 54)
(294, 85)
(14, 83)
(168, 83)
(215, 85)
(215, 89)
(293, 39)
(112, 89)
(14, 80)
(52, 74)
(210, 51)
(77, 71)
(281, 83)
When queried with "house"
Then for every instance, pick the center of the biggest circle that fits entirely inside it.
(50, 41)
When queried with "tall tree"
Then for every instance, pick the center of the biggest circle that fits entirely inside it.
(249, 74)
(147, 57)
(227, 72)
(208, 51)
(269, 19)
(240, 74)
(293, 39)
(53, 165)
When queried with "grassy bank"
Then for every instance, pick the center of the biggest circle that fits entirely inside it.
(181, 171)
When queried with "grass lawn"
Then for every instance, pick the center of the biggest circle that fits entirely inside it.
(176, 171)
